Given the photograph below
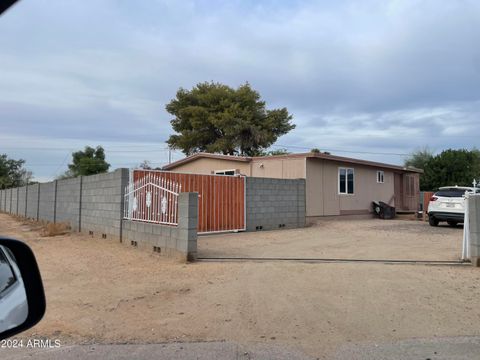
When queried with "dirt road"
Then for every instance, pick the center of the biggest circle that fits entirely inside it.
(99, 291)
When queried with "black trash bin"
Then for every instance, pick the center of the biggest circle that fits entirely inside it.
(383, 210)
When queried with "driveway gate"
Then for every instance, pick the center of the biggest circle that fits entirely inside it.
(152, 199)
(221, 202)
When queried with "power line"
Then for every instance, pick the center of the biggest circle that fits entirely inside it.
(59, 167)
(126, 150)
(63, 149)
(113, 164)
(338, 150)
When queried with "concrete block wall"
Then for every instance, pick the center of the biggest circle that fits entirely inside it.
(2, 200)
(94, 204)
(187, 224)
(47, 201)
(13, 202)
(179, 242)
(32, 201)
(148, 235)
(274, 203)
(22, 201)
(6, 202)
(90, 203)
(474, 228)
(69, 201)
(102, 203)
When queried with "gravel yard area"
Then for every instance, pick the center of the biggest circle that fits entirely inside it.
(102, 292)
(343, 238)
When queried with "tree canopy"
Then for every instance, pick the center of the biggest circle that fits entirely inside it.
(216, 118)
(450, 167)
(145, 165)
(12, 173)
(418, 159)
(90, 161)
(278, 152)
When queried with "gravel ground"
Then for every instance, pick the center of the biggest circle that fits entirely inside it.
(101, 292)
(352, 238)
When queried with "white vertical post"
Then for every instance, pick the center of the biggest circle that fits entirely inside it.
(131, 194)
(466, 231)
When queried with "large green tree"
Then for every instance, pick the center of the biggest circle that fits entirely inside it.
(219, 119)
(90, 161)
(418, 159)
(12, 172)
(450, 167)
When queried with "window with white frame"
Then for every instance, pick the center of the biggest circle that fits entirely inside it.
(225, 172)
(380, 177)
(346, 181)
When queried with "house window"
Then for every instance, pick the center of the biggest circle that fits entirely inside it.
(380, 177)
(346, 181)
(225, 172)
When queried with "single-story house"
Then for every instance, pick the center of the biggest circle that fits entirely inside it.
(335, 185)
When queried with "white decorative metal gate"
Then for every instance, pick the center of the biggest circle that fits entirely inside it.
(152, 199)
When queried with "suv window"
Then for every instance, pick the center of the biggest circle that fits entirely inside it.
(7, 276)
(450, 193)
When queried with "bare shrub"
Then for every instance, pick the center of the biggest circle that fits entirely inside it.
(54, 229)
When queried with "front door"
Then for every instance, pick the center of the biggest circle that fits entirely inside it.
(398, 191)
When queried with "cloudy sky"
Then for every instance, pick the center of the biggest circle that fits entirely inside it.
(372, 79)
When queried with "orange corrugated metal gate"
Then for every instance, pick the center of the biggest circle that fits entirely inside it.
(221, 202)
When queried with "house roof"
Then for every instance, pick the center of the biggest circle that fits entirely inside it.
(203, 155)
(309, 155)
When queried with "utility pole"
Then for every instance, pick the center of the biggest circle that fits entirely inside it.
(169, 155)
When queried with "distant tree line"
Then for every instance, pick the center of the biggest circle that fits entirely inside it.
(89, 161)
(450, 167)
(12, 173)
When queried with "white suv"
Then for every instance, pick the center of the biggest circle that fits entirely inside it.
(448, 204)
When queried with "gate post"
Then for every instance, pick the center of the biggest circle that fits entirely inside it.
(474, 228)
(187, 224)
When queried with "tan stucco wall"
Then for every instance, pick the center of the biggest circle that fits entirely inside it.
(207, 165)
(293, 168)
(322, 188)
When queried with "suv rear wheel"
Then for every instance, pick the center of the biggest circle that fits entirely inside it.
(432, 221)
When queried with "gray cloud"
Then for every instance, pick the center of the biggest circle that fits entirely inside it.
(376, 76)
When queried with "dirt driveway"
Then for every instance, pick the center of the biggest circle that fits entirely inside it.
(99, 291)
(343, 238)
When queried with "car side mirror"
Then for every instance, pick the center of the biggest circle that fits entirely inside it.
(22, 298)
